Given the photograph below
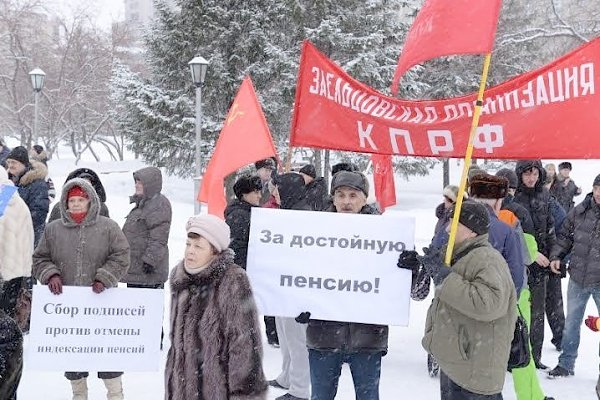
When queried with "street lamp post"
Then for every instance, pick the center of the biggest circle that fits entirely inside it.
(198, 67)
(38, 77)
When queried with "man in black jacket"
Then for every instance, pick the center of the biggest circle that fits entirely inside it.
(247, 190)
(532, 195)
(578, 236)
(333, 343)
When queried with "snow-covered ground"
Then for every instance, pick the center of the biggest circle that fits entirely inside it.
(404, 372)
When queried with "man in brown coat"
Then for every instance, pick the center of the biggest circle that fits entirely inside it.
(83, 249)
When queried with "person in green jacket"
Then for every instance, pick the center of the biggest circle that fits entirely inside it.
(471, 321)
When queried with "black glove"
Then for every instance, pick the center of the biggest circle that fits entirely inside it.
(148, 269)
(408, 259)
(434, 265)
(303, 317)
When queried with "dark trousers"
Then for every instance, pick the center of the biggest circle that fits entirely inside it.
(537, 286)
(326, 367)
(555, 311)
(151, 286)
(9, 295)
(73, 376)
(451, 391)
(271, 330)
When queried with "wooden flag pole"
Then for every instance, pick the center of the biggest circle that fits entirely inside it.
(468, 156)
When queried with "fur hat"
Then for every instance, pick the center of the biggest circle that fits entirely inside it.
(510, 175)
(246, 184)
(309, 170)
(211, 228)
(565, 165)
(474, 216)
(451, 192)
(596, 181)
(266, 163)
(343, 166)
(354, 180)
(19, 154)
(77, 191)
(486, 186)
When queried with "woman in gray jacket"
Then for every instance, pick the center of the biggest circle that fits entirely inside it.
(83, 249)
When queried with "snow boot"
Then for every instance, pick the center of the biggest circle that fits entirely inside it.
(80, 389)
(114, 388)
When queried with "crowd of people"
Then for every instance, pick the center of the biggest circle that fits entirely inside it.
(518, 234)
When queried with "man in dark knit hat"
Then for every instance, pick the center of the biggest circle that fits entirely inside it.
(247, 189)
(30, 178)
(564, 188)
(482, 326)
(265, 169)
(316, 189)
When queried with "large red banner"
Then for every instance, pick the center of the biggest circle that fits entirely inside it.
(552, 112)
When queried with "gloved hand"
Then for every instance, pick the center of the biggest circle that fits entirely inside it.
(98, 287)
(592, 323)
(148, 269)
(303, 317)
(434, 265)
(408, 259)
(55, 284)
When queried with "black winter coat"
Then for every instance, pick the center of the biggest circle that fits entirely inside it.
(564, 194)
(33, 189)
(11, 356)
(348, 336)
(509, 203)
(537, 201)
(237, 216)
(580, 236)
(316, 194)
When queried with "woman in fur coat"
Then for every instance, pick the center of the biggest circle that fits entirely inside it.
(216, 350)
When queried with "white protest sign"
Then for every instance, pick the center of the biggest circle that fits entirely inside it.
(339, 267)
(79, 330)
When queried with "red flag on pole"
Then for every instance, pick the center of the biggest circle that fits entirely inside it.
(444, 28)
(244, 138)
(383, 178)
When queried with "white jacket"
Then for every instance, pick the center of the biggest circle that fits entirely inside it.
(16, 236)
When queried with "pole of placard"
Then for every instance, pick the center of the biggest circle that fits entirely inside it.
(468, 155)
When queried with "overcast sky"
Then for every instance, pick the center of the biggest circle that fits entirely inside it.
(106, 11)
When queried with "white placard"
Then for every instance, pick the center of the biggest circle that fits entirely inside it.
(344, 270)
(79, 330)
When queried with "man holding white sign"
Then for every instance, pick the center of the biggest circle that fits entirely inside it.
(83, 248)
(341, 269)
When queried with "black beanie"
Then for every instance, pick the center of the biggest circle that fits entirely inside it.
(513, 181)
(474, 216)
(266, 163)
(309, 170)
(19, 154)
(597, 181)
(566, 165)
(246, 184)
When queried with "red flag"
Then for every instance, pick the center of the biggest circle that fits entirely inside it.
(445, 27)
(244, 138)
(383, 178)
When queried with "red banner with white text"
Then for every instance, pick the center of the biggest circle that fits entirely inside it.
(552, 112)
